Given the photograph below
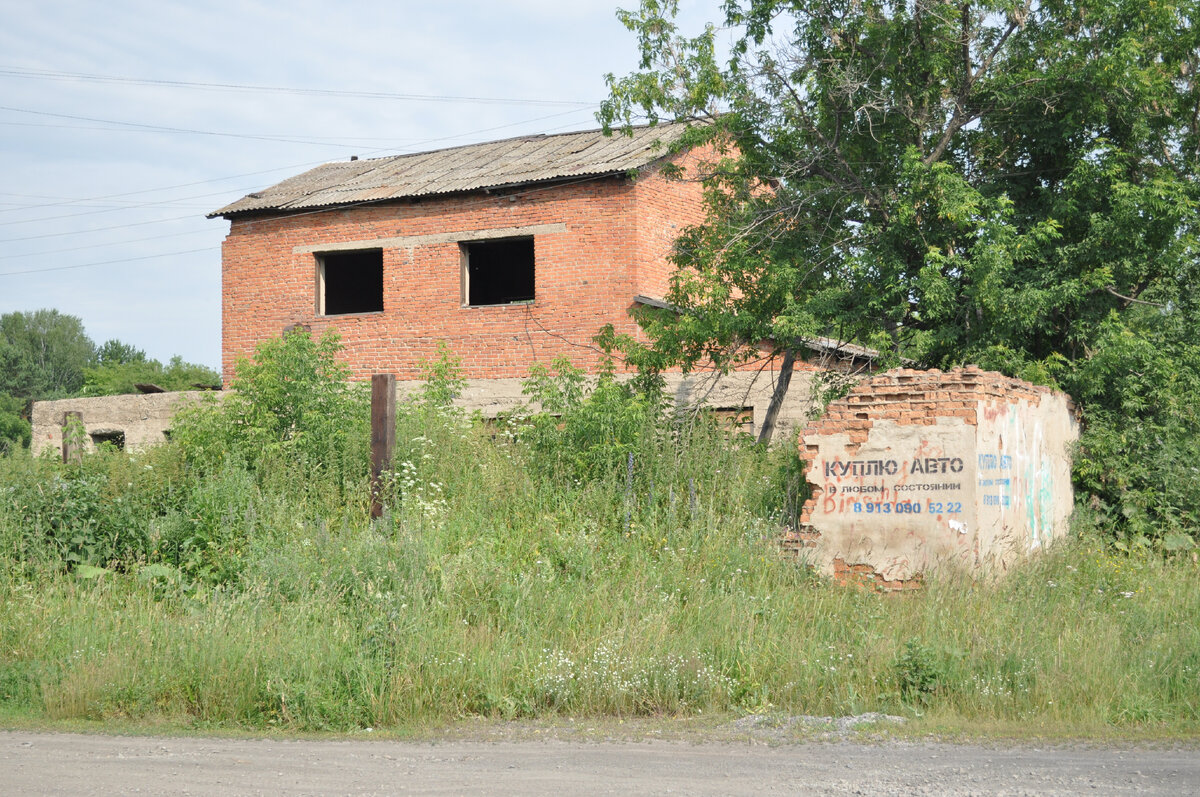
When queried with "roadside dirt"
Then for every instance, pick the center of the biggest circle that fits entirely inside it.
(33, 763)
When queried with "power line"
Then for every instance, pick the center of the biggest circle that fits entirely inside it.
(61, 234)
(147, 128)
(341, 141)
(106, 262)
(411, 148)
(106, 210)
(526, 192)
(46, 74)
(206, 231)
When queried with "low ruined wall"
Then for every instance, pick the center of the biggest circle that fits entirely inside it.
(915, 470)
(740, 390)
(141, 419)
(144, 419)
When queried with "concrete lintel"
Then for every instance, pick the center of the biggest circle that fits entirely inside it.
(437, 238)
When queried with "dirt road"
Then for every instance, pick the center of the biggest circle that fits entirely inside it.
(77, 764)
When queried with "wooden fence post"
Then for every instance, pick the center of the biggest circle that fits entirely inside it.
(72, 432)
(383, 433)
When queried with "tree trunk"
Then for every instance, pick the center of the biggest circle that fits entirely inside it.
(781, 389)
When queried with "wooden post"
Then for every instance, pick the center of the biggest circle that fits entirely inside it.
(383, 433)
(72, 430)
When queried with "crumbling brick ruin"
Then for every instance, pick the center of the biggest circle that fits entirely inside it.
(915, 470)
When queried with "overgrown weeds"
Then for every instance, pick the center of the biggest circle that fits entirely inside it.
(634, 573)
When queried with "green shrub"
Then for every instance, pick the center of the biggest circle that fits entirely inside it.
(290, 411)
(15, 429)
(588, 427)
(920, 671)
(1136, 463)
(607, 559)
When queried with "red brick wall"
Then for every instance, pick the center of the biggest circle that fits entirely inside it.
(585, 277)
(618, 237)
(909, 396)
(666, 206)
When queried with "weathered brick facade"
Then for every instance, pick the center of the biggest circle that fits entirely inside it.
(914, 470)
(600, 212)
(598, 243)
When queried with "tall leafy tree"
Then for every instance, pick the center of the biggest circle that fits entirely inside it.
(43, 354)
(1004, 182)
(117, 352)
(15, 429)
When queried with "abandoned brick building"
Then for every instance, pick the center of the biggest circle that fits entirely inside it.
(511, 252)
(517, 252)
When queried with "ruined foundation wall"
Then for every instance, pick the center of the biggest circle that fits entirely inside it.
(735, 391)
(142, 419)
(915, 470)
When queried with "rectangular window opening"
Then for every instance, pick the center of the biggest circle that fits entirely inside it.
(497, 271)
(733, 419)
(350, 282)
(109, 437)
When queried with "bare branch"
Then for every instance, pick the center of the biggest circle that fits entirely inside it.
(1130, 299)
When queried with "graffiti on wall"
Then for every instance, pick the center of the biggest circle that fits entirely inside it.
(1019, 475)
(918, 485)
(995, 480)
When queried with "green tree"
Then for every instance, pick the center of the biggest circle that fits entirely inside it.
(290, 406)
(15, 430)
(114, 377)
(1003, 182)
(43, 354)
(116, 352)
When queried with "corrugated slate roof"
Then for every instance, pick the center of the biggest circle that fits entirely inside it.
(514, 161)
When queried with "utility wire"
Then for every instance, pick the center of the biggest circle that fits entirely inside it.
(106, 262)
(63, 234)
(252, 222)
(340, 141)
(46, 74)
(411, 148)
(205, 231)
(146, 128)
(108, 210)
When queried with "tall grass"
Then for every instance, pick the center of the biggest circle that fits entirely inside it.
(503, 582)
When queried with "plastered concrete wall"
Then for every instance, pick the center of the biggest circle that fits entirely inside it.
(916, 470)
(737, 390)
(141, 418)
(144, 418)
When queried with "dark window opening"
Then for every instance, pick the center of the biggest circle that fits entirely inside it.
(498, 272)
(733, 419)
(351, 282)
(109, 437)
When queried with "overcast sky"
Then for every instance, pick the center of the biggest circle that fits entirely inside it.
(123, 123)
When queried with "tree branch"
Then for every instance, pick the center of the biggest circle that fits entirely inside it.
(1130, 299)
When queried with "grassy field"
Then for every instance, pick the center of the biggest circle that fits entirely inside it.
(514, 578)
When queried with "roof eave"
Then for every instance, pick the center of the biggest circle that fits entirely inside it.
(484, 189)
